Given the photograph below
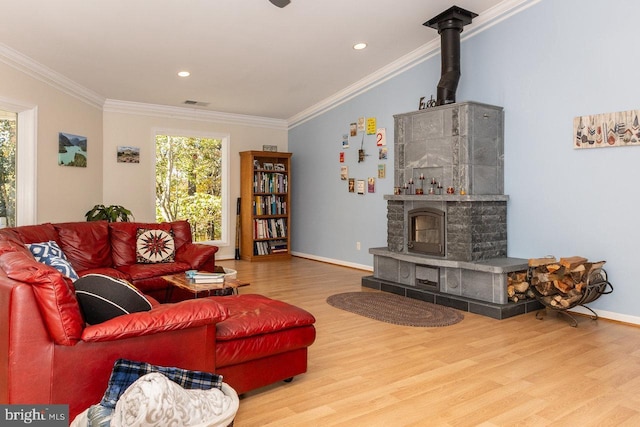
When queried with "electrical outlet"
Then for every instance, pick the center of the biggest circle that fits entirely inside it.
(357, 246)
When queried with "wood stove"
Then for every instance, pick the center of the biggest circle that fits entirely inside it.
(427, 232)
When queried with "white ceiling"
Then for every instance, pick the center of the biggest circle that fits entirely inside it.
(245, 56)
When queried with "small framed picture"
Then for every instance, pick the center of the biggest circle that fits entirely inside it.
(278, 167)
(267, 166)
(128, 154)
(344, 173)
(371, 185)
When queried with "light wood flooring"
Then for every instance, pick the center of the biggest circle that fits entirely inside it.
(515, 372)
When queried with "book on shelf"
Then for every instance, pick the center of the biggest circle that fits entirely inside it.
(269, 228)
(270, 247)
(270, 182)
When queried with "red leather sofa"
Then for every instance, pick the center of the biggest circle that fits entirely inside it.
(48, 354)
(110, 249)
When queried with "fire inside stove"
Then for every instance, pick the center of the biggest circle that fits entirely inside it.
(426, 232)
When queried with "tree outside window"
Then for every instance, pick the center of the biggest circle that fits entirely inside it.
(189, 183)
(8, 168)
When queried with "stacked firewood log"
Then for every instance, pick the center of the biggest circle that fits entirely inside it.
(561, 284)
(518, 288)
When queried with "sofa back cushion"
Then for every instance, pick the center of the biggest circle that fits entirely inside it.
(37, 233)
(55, 295)
(124, 236)
(181, 232)
(86, 244)
(10, 241)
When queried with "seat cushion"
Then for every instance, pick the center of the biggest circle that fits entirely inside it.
(139, 272)
(244, 349)
(259, 327)
(107, 271)
(252, 314)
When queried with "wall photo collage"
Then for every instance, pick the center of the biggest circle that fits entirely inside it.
(362, 134)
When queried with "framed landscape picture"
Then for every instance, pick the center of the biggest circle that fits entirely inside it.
(72, 150)
(127, 154)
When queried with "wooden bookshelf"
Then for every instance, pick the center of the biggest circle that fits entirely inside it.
(265, 185)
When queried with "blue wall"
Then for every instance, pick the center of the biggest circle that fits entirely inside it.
(545, 65)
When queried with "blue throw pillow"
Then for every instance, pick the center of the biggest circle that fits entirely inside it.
(49, 253)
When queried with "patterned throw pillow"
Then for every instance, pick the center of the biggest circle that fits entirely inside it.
(49, 253)
(154, 246)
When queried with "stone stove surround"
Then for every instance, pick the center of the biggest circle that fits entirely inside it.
(460, 145)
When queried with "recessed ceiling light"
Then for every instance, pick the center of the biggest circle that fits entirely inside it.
(184, 74)
(359, 46)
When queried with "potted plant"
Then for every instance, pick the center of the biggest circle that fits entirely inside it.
(112, 213)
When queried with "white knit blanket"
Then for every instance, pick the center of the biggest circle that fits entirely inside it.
(154, 400)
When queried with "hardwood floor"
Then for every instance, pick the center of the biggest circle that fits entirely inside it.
(519, 371)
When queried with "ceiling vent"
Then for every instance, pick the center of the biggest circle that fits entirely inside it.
(196, 103)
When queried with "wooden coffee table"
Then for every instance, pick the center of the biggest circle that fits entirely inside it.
(180, 280)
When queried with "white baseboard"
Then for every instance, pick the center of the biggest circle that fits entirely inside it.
(316, 258)
(334, 261)
(609, 315)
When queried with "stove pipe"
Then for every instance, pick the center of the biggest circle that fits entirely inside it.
(449, 25)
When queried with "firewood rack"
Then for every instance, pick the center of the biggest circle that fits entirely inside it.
(597, 285)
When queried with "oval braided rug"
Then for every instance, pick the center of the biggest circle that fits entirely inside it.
(396, 309)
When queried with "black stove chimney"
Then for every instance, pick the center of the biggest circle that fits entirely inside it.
(449, 25)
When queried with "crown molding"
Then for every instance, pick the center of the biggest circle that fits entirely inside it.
(488, 19)
(38, 71)
(185, 113)
(23, 63)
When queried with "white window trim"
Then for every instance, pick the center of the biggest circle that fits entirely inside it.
(26, 160)
(226, 139)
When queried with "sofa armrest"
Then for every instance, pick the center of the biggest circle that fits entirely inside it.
(197, 255)
(162, 318)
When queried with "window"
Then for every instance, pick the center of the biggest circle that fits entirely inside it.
(191, 183)
(25, 161)
(8, 147)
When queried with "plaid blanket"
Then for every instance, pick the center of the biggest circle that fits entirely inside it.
(126, 372)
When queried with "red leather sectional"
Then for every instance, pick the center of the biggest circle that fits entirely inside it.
(49, 355)
(110, 249)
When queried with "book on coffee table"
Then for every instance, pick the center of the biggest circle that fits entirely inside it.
(206, 277)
